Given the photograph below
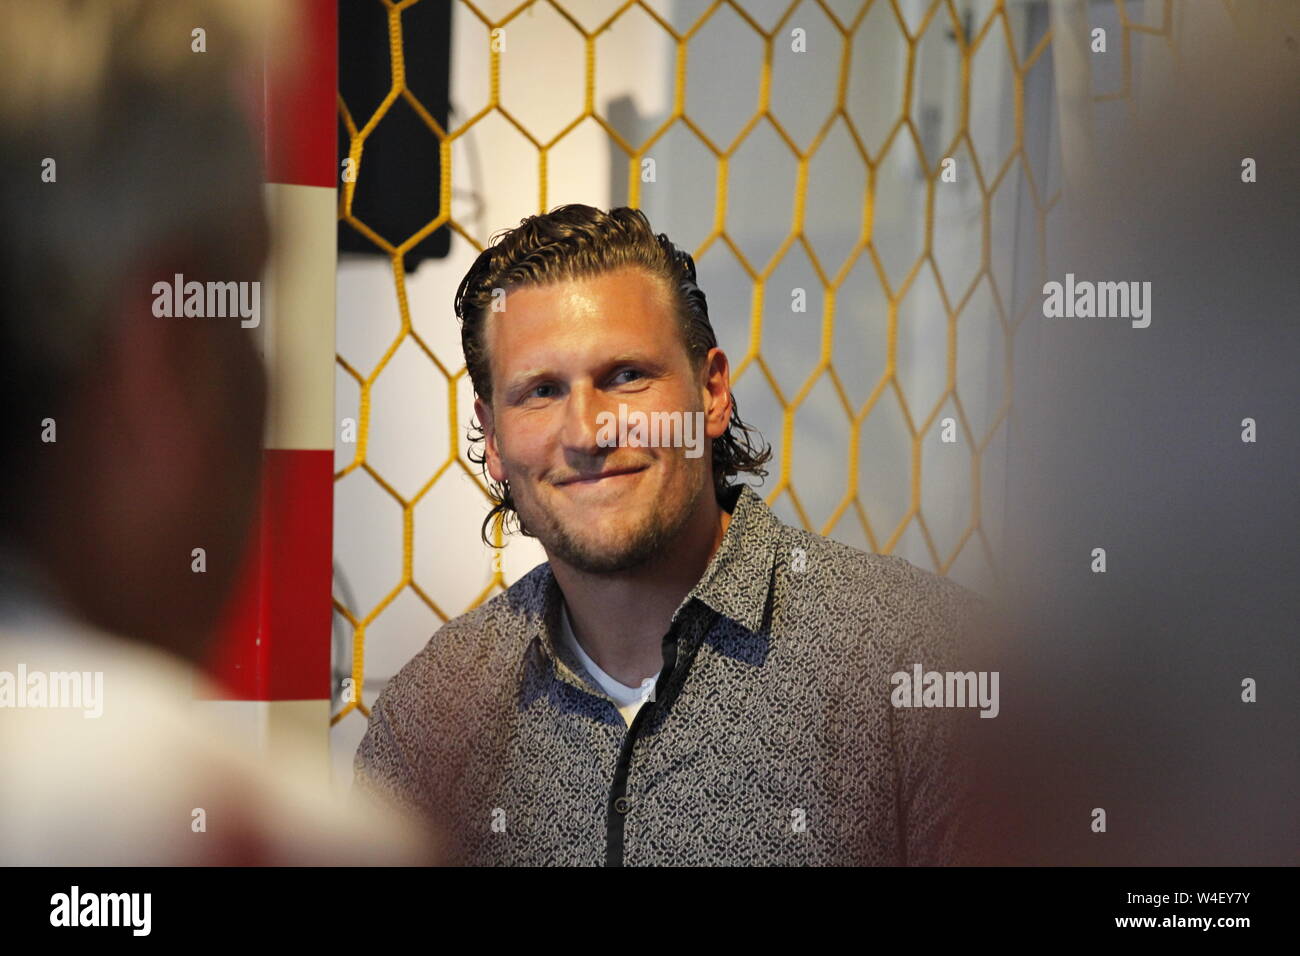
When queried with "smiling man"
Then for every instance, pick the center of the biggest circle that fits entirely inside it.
(686, 680)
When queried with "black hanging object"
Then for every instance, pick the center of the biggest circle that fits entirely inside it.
(397, 180)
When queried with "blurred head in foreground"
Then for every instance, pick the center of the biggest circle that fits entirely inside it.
(126, 159)
(1148, 710)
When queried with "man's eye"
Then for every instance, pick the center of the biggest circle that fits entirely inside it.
(635, 373)
(541, 391)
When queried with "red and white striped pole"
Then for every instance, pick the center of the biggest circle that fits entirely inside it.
(272, 660)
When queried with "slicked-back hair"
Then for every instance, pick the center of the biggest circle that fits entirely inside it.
(573, 242)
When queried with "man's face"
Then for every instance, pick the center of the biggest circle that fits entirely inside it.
(560, 356)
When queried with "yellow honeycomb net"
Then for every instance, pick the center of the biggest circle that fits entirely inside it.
(968, 35)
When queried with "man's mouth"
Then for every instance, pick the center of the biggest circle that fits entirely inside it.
(594, 478)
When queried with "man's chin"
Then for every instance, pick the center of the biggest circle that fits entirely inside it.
(612, 552)
(605, 563)
(600, 538)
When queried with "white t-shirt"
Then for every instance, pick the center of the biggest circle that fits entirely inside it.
(629, 699)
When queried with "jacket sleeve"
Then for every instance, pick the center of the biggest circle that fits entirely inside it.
(382, 775)
(933, 809)
(933, 782)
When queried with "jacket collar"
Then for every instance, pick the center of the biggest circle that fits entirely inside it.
(738, 579)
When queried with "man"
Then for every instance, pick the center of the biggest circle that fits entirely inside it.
(686, 680)
(125, 159)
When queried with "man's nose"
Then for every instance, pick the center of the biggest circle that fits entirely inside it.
(582, 420)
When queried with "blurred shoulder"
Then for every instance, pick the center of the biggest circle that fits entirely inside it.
(148, 767)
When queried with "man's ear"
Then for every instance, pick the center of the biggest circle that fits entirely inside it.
(483, 412)
(716, 388)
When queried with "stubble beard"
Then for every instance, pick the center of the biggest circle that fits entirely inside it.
(655, 534)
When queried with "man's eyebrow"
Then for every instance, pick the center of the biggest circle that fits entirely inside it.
(524, 379)
(644, 360)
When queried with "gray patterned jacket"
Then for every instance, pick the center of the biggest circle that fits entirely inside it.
(770, 739)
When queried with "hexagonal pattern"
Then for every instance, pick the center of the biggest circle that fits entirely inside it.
(849, 133)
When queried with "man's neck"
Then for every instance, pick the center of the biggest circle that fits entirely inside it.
(620, 619)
